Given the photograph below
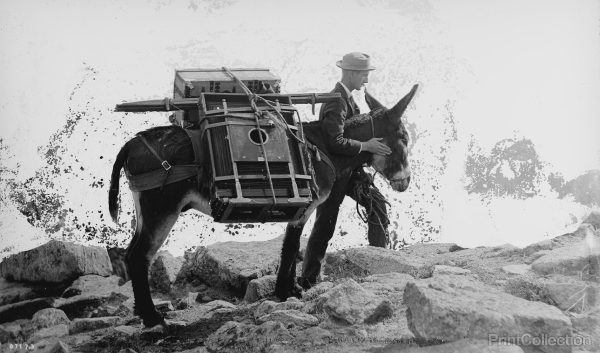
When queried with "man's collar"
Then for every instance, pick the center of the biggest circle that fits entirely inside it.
(348, 93)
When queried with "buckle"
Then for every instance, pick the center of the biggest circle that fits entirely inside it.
(166, 165)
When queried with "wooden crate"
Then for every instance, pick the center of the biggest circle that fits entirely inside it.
(240, 188)
(193, 83)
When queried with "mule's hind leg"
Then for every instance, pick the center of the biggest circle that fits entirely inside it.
(286, 277)
(154, 221)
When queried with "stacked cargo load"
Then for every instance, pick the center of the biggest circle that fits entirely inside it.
(248, 138)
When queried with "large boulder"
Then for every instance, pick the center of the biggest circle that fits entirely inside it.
(56, 262)
(290, 317)
(49, 317)
(587, 327)
(351, 303)
(369, 260)
(571, 293)
(164, 271)
(13, 292)
(450, 308)
(268, 306)
(205, 318)
(89, 324)
(239, 337)
(23, 309)
(58, 330)
(559, 241)
(260, 288)
(92, 293)
(92, 284)
(581, 258)
(390, 288)
(233, 265)
(13, 331)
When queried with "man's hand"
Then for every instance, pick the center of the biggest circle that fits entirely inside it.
(376, 147)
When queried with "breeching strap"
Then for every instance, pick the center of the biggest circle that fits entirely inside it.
(172, 173)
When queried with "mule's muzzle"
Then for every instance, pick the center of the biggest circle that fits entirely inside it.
(400, 184)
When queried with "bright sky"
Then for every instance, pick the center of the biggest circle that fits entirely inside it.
(537, 69)
(501, 68)
(531, 66)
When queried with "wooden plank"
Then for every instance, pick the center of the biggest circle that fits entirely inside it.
(168, 104)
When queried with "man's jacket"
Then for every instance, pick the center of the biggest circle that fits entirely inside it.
(332, 116)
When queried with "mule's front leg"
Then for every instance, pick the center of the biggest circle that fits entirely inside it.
(286, 277)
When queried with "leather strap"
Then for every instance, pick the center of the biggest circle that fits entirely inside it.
(157, 178)
(160, 177)
(163, 162)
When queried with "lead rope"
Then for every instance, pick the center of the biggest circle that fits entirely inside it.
(359, 192)
(376, 209)
(257, 112)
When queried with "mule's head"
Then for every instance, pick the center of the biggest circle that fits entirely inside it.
(388, 124)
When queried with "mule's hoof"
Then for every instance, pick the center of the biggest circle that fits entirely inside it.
(286, 292)
(153, 321)
(151, 333)
(305, 283)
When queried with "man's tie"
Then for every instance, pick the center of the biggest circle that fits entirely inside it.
(353, 106)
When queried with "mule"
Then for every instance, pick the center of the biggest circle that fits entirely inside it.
(157, 209)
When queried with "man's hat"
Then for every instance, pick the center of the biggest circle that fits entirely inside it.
(356, 61)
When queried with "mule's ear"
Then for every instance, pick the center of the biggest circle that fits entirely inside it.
(397, 111)
(372, 102)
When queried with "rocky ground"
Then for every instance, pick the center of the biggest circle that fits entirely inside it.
(62, 297)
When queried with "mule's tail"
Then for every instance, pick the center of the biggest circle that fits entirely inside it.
(113, 193)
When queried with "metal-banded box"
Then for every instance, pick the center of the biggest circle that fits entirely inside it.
(192, 83)
(239, 180)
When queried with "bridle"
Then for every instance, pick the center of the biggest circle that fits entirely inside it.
(377, 172)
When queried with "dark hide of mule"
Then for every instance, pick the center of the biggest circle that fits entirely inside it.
(158, 209)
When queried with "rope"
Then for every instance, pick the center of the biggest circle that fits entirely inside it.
(282, 121)
(364, 191)
(257, 112)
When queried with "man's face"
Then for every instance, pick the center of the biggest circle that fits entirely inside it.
(358, 79)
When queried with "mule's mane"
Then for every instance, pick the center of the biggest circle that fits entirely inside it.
(359, 120)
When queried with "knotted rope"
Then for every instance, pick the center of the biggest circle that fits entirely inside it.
(367, 191)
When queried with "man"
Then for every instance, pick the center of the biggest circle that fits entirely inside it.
(355, 73)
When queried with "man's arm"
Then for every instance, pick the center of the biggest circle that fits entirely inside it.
(333, 116)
